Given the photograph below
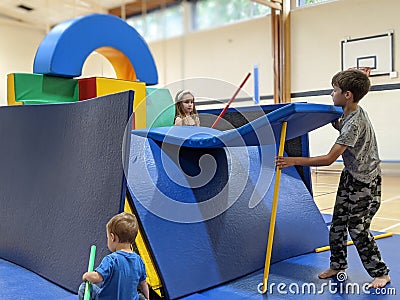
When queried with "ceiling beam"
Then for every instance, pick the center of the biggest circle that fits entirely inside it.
(275, 4)
(97, 7)
(135, 8)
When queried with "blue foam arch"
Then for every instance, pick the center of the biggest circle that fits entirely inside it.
(65, 48)
(301, 118)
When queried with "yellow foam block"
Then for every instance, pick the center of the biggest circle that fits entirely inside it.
(11, 91)
(98, 86)
(152, 276)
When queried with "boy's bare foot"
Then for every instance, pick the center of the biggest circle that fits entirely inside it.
(328, 273)
(379, 282)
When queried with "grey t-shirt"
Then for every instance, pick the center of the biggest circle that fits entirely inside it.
(361, 158)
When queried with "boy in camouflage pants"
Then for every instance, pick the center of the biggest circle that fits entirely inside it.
(359, 193)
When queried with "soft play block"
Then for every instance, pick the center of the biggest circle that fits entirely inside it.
(194, 251)
(23, 88)
(174, 209)
(62, 179)
(98, 86)
(153, 279)
(11, 91)
(65, 48)
(160, 108)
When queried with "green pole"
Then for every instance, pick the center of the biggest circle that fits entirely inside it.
(90, 269)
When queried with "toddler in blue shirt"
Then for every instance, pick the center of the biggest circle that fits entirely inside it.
(122, 272)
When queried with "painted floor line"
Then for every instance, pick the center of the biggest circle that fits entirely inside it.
(328, 208)
(391, 227)
(323, 194)
(391, 199)
(388, 219)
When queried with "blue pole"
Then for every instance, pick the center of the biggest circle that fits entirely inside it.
(256, 91)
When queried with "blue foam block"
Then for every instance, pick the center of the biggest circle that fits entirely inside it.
(65, 48)
(191, 256)
(301, 117)
(62, 180)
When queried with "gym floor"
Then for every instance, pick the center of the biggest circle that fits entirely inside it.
(325, 183)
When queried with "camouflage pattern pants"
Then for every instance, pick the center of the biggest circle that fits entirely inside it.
(356, 204)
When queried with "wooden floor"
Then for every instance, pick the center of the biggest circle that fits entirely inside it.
(325, 182)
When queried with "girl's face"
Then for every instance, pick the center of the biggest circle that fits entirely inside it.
(187, 103)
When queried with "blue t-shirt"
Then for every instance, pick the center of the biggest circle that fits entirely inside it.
(121, 272)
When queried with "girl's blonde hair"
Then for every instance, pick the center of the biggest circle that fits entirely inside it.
(179, 108)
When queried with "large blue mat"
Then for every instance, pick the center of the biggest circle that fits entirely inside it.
(61, 180)
(296, 278)
(194, 256)
(215, 230)
(20, 284)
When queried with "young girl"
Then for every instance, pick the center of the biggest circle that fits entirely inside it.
(185, 110)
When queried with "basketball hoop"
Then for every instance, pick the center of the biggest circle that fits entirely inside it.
(366, 70)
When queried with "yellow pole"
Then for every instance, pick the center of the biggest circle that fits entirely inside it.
(273, 213)
(376, 237)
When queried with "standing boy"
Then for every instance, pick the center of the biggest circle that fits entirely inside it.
(359, 193)
(121, 272)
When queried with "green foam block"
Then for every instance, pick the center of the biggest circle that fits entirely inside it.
(44, 89)
(160, 108)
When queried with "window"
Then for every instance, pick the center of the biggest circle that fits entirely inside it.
(307, 2)
(212, 13)
(159, 24)
(168, 22)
